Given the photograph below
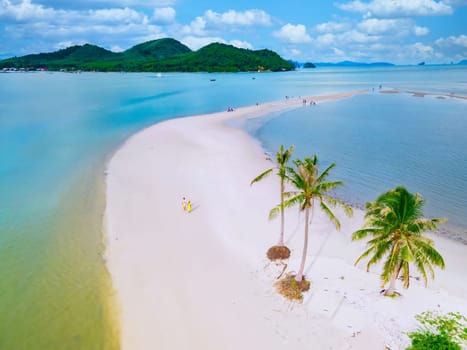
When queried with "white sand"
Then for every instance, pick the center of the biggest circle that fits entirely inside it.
(202, 281)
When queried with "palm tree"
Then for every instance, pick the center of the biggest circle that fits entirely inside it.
(282, 158)
(395, 224)
(312, 187)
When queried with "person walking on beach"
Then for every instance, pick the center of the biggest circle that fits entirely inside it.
(184, 203)
(188, 206)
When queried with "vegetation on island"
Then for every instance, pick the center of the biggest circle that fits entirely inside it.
(308, 65)
(395, 225)
(439, 332)
(279, 251)
(162, 55)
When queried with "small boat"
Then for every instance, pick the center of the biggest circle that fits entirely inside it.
(212, 79)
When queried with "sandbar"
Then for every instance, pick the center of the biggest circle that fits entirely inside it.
(202, 281)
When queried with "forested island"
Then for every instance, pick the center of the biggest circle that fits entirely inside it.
(161, 55)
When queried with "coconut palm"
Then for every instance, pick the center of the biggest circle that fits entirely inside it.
(312, 188)
(395, 224)
(282, 158)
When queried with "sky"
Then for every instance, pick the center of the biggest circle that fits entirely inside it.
(397, 31)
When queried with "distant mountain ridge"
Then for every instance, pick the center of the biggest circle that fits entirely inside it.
(160, 55)
(354, 64)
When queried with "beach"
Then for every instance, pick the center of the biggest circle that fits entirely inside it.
(201, 280)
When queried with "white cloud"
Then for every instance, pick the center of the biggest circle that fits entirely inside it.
(203, 25)
(195, 42)
(381, 26)
(294, 52)
(391, 28)
(241, 44)
(346, 41)
(422, 51)
(196, 27)
(420, 31)
(347, 38)
(295, 34)
(86, 4)
(163, 15)
(234, 18)
(355, 36)
(24, 11)
(397, 8)
(51, 28)
(28, 12)
(116, 48)
(338, 52)
(331, 27)
(460, 40)
(325, 39)
(124, 15)
(68, 43)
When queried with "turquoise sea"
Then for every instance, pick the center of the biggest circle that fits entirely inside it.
(57, 130)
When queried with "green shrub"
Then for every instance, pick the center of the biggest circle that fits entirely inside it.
(439, 332)
(425, 341)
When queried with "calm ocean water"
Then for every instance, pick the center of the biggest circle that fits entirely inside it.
(380, 141)
(57, 130)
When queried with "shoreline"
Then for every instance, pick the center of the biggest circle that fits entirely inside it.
(199, 280)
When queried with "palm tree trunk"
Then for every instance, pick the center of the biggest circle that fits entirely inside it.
(392, 284)
(281, 235)
(299, 276)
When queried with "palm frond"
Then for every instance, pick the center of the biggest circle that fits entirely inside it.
(324, 187)
(406, 253)
(380, 250)
(432, 255)
(296, 199)
(363, 233)
(261, 176)
(331, 215)
(337, 202)
(274, 212)
(325, 173)
(405, 274)
(390, 266)
(363, 256)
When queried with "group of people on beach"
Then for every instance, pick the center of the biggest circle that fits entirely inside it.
(230, 109)
(312, 103)
(186, 205)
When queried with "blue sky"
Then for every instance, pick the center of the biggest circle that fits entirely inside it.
(398, 31)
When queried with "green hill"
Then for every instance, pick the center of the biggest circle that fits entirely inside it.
(162, 55)
(61, 59)
(223, 58)
(156, 50)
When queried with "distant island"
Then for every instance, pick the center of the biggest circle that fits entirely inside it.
(309, 65)
(162, 55)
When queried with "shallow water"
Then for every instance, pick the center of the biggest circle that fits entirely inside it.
(57, 130)
(380, 141)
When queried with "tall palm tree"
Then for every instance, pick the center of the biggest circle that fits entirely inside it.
(312, 187)
(282, 158)
(395, 224)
